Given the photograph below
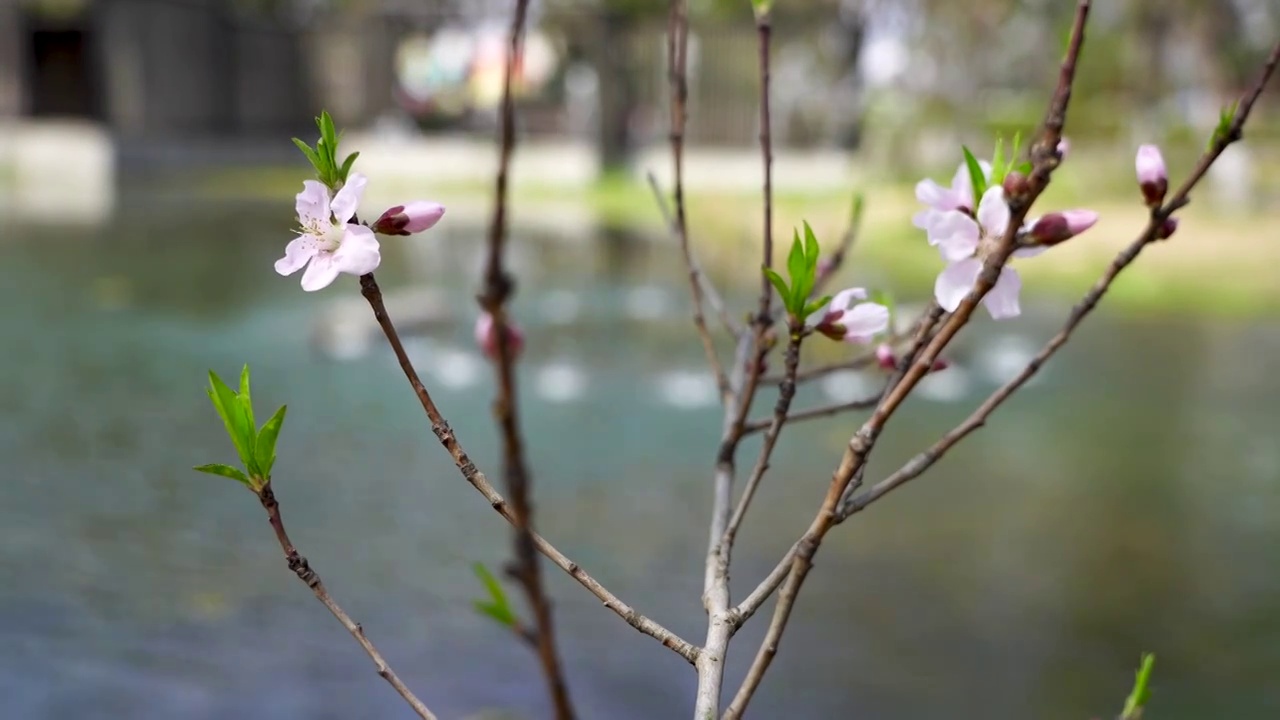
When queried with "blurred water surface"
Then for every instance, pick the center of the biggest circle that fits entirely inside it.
(1126, 501)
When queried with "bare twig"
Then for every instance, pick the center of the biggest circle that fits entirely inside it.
(785, 394)
(300, 567)
(923, 461)
(861, 444)
(814, 413)
(706, 289)
(440, 427)
(764, 29)
(835, 260)
(677, 67)
(498, 289)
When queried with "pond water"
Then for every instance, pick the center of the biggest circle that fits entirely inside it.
(1126, 501)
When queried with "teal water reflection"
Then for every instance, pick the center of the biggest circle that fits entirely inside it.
(1127, 501)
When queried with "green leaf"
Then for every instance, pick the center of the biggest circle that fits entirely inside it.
(796, 259)
(815, 305)
(311, 154)
(1016, 149)
(327, 131)
(976, 176)
(224, 471)
(497, 606)
(803, 285)
(1225, 119)
(265, 448)
(779, 284)
(997, 164)
(233, 418)
(346, 166)
(1141, 692)
(244, 397)
(1024, 167)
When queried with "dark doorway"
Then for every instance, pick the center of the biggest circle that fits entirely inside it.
(60, 73)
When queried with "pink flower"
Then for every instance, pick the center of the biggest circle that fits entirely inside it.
(1060, 226)
(487, 337)
(1153, 179)
(965, 243)
(328, 243)
(942, 200)
(847, 319)
(408, 219)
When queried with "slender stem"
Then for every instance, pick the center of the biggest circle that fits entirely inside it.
(440, 427)
(923, 461)
(763, 31)
(786, 393)
(300, 567)
(677, 73)
(814, 413)
(499, 287)
(835, 260)
(705, 288)
(860, 445)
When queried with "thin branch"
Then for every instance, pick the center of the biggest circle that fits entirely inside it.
(756, 598)
(923, 461)
(780, 409)
(300, 567)
(440, 427)
(705, 288)
(498, 290)
(814, 413)
(677, 69)
(860, 445)
(763, 31)
(834, 261)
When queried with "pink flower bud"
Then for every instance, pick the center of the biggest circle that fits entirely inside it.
(1152, 176)
(1064, 146)
(1057, 227)
(408, 219)
(939, 365)
(886, 358)
(487, 338)
(1167, 228)
(824, 266)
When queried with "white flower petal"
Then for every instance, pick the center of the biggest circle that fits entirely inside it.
(297, 253)
(1002, 301)
(993, 212)
(320, 273)
(312, 204)
(934, 195)
(955, 282)
(1029, 251)
(846, 298)
(956, 235)
(348, 198)
(358, 254)
(925, 218)
(864, 321)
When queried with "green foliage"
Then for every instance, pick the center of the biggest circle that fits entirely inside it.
(802, 267)
(324, 156)
(976, 176)
(256, 447)
(497, 606)
(1226, 118)
(1141, 692)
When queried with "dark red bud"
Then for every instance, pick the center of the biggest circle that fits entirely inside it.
(1015, 184)
(1153, 192)
(393, 222)
(1167, 228)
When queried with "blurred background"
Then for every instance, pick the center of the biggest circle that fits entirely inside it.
(1126, 501)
